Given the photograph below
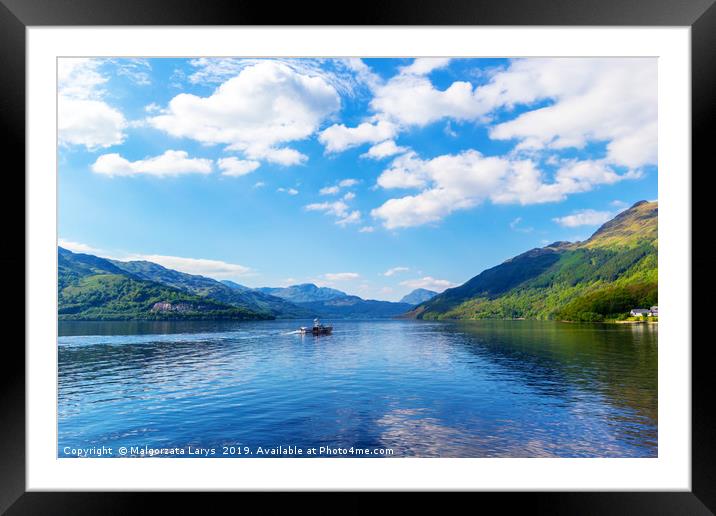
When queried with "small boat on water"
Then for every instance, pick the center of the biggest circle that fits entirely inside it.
(316, 329)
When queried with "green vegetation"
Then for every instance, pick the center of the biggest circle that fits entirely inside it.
(600, 279)
(209, 288)
(91, 288)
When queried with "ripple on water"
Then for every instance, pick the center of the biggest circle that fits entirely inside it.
(428, 389)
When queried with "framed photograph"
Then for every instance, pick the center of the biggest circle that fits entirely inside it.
(425, 251)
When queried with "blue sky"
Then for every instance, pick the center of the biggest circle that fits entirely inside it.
(374, 176)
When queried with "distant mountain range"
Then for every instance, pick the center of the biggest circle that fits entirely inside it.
(332, 303)
(417, 296)
(232, 294)
(94, 288)
(601, 278)
(304, 293)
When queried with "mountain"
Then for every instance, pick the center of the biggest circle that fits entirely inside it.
(235, 285)
(231, 294)
(601, 278)
(92, 288)
(332, 303)
(417, 296)
(304, 293)
(354, 307)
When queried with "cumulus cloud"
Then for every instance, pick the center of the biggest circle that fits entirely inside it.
(413, 100)
(235, 167)
(395, 270)
(611, 100)
(171, 163)
(329, 190)
(263, 107)
(339, 209)
(428, 282)
(83, 116)
(454, 182)
(348, 77)
(384, 150)
(333, 190)
(366, 229)
(338, 137)
(425, 65)
(584, 218)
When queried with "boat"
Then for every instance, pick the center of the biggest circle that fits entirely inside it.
(316, 329)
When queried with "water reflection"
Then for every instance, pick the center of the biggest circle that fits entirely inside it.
(429, 389)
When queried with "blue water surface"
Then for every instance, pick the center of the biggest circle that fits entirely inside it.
(397, 388)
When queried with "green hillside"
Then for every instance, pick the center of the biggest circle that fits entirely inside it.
(92, 288)
(204, 287)
(601, 278)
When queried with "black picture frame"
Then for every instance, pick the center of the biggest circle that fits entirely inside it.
(17, 15)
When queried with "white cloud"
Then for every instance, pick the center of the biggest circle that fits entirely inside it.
(289, 191)
(395, 270)
(80, 78)
(332, 190)
(136, 70)
(329, 190)
(200, 266)
(384, 150)
(366, 229)
(341, 276)
(584, 218)
(425, 65)
(613, 100)
(266, 105)
(454, 182)
(352, 218)
(337, 208)
(171, 163)
(281, 156)
(412, 100)
(83, 117)
(152, 107)
(347, 76)
(91, 123)
(236, 167)
(349, 196)
(77, 247)
(338, 137)
(428, 282)
(259, 184)
(448, 129)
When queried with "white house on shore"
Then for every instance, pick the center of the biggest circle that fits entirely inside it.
(645, 312)
(639, 312)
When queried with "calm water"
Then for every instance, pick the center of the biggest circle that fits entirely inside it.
(410, 388)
